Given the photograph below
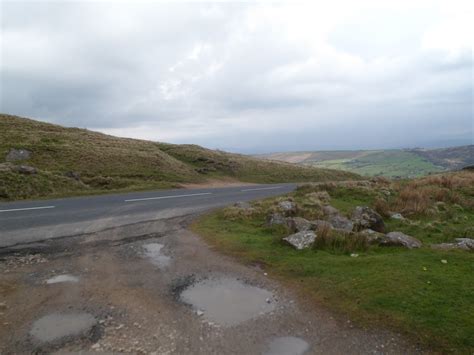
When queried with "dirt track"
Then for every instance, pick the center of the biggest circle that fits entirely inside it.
(136, 299)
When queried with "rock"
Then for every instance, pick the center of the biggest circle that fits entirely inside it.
(400, 239)
(73, 175)
(25, 169)
(319, 223)
(340, 222)
(301, 240)
(461, 243)
(289, 208)
(330, 211)
(298, 224)
(397, 216)
(372, 236)
(367, 218)
(18, 154)
(275, 219)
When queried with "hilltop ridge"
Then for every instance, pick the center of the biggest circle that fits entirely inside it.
(79, 161)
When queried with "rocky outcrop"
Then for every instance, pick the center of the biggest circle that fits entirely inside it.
(372, 236)
(400, 239)
(18, 154)
(340, 222)
(25, 169)
(298, 224)
(366, 218)
(319, 223)
(301, 240)
(460, 243)
(288, 208)
(275, 219)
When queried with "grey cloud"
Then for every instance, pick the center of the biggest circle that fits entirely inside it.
(235, 75)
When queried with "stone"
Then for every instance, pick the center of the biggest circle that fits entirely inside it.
(397, 216)
(18, 154)
(330, 211)
(25, 169)
(73, 175)
(372, 236)
(298, 224)
(460, 243)
(340, 222)
(289, 208)
(365, 217)
(301, 240)
(275, 219)
(319, 223)
(400, 239)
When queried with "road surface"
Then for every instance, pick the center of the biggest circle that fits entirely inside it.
(33, 221)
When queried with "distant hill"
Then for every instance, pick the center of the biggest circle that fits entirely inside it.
(390, 163)
(79, 161)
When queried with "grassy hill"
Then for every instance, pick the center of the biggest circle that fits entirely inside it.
(389, 163)
(78, 161)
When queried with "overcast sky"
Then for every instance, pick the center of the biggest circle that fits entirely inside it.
(245, 76)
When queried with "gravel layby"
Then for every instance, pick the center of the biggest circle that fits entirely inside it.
(116, 292)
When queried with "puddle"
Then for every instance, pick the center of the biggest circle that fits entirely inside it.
(62, 278)
(153, 251)
(56, 326)
(287, 346)
(228, 301)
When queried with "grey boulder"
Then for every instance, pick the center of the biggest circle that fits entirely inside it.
(18, 154)
(301, 240)
(340, 222)
(400, 239)
(366, 218)
(25, 169)
(275, 219)
(289, 208)
(298, 224)
(461, 243)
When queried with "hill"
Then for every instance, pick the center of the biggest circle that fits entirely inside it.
(78, 161)
(389, 163)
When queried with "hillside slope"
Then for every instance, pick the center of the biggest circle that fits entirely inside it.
(389, 163)
(78, 161)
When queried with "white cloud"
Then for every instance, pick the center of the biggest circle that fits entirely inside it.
(245, 76)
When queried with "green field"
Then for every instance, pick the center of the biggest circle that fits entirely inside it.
(396, 163)
(424, 293)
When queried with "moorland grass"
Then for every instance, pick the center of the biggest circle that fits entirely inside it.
(424, 293)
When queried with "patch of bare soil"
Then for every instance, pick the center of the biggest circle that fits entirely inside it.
(123, 296)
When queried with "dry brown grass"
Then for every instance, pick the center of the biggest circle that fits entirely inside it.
(382, 207)
(418, 196)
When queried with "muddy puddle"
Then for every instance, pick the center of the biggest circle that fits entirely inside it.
(56, 326)
(153, 251)
(62, 278)
(287, 346)
(228, 301)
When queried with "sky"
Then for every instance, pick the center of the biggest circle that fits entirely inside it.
(248, 77)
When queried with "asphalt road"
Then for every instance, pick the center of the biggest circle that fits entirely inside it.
(34, 221)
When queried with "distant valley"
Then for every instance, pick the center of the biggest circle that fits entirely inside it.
(391, 163)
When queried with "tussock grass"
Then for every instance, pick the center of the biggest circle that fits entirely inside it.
(106, 163)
